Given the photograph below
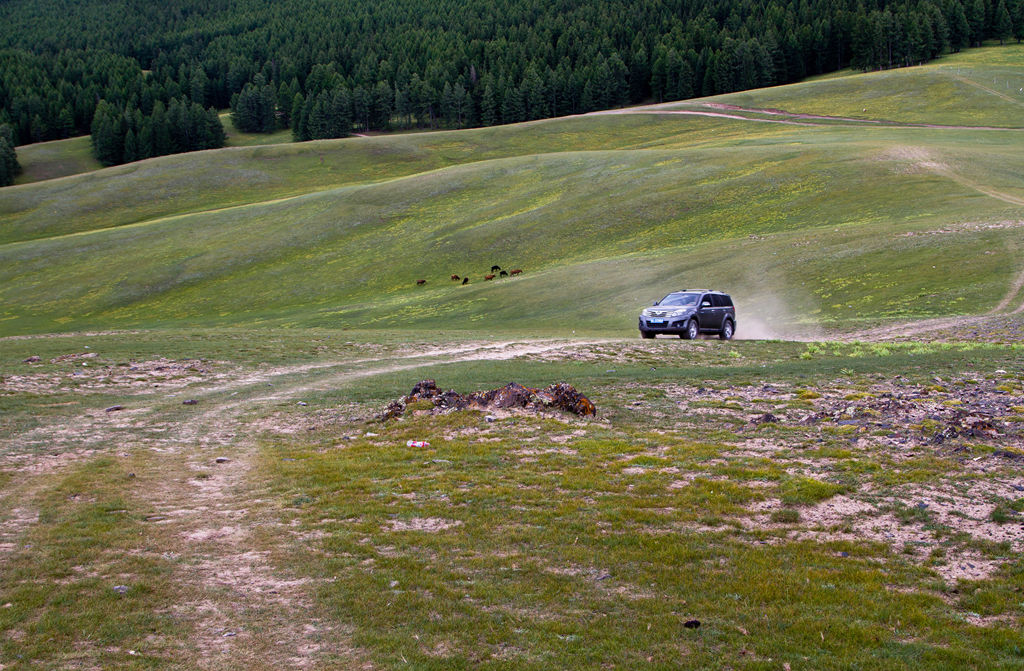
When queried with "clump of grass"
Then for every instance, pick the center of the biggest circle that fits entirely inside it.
(1003, 513)
(420, 404)
(801, 490)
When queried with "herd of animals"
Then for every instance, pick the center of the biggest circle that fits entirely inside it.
(491, 276)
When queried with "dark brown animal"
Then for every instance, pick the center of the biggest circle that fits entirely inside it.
(517, 271)
(420, 283)
(455, 278)
(465, 280)
(488, 277)
(495, 269)
(503, 274)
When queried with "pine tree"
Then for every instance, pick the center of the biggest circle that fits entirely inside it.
(976, 20)
(447, 98)
(283, 104)
(299, 119)
(198, 85)
(512, 106)
(488, 106)
(659, 79)
(145, 142)
(9, 166)
(1002, 27)
(340, 113)
(161, 130)
(131, 147)
(403, 110)
(107, 135)
(361, 103)
(216, 137)
(383, 99)
(959, 28)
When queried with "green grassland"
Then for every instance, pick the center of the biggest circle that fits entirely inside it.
(604, 213)
(979, 87)
(60, 158)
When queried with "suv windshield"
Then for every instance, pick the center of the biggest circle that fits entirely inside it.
(680, 299)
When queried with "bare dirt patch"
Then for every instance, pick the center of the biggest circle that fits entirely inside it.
(427, 524)
(128, 378)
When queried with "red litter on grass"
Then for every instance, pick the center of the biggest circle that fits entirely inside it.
(417, 443)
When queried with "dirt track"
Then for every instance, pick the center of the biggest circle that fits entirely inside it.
(723, 111)
(207, 510)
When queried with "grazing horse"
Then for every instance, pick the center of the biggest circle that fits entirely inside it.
(465, 281)
(420, 283)
(503, 274)
(517, 271)
(488, 277)
(455, 278)
(495, 269)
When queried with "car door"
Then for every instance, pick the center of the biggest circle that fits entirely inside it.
(707, 314)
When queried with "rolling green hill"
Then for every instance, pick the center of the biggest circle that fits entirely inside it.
(818, 222)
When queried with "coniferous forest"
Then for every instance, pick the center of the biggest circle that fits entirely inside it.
(145, 78)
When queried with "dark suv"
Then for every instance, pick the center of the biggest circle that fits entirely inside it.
(690, 313)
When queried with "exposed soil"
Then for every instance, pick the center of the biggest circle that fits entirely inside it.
(134, 377)
(914, 428)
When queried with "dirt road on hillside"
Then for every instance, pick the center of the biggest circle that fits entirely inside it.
(736, 112)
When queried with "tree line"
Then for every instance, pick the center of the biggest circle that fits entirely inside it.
(123, 135)
(326, 68)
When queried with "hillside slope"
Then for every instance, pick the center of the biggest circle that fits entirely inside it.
(811, 222)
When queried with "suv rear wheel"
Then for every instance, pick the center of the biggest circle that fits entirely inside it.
(727, 330)
(691, 332)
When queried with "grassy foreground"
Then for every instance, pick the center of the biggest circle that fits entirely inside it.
(275, 524)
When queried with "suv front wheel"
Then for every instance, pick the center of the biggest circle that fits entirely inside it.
(727, 330)
(691, 332)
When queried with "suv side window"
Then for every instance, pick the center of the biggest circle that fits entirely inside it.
(716, 301)
(726, 300)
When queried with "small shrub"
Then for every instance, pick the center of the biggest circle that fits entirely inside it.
(806, 491)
